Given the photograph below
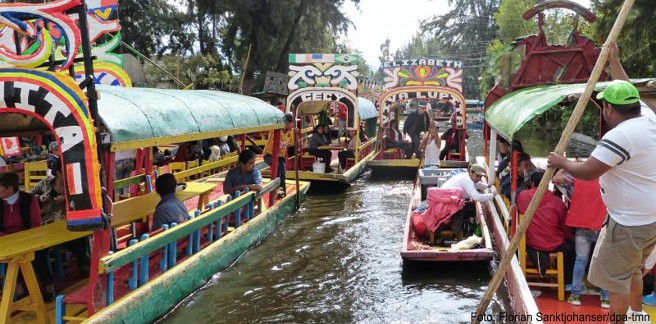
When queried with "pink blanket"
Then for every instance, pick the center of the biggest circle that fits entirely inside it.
(442, 204)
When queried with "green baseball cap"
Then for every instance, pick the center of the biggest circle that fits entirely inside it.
(620, 92)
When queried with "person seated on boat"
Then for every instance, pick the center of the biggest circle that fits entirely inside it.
(50, 192)
(170, 209)
(394, 139)
(430, 146)
(350, 152)
(363, 135)
(223, 145)
(548, 231)
(525, 168)
(243, 175)
(327, 138)
(317, 139)
(586, 215)
(505, 155)
(286, 145)
(451, 139)
(20, 211)
(416, 123)
(471, 183)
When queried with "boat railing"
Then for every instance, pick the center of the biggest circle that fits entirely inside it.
(365, 149)
(212, 224)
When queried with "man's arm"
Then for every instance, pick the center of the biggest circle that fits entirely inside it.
(616, 68)
(589, 170)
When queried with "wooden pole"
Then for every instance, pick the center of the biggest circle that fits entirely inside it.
(560, 148)
(243, 71)
(297, 157)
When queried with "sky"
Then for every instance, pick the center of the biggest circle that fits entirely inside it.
(399, 20)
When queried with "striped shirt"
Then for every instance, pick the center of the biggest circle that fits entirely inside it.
(629, 188)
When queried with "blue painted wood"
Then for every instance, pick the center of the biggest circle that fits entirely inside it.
(173, 251)
(190, 243)
(164, 263)
(197, 234)
(250, 210)
(60, 309)
(132, 281)
(237, 212)
(143, 274)
(218, 226)
(110, 286)
(149, 183)
(3, 274)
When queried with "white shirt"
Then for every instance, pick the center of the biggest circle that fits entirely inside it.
(629, 188)
(432, 153)
(464, 182)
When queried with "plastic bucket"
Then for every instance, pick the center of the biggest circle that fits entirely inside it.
(319, 167)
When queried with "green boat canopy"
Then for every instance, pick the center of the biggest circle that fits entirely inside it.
(511, 112)
(366, 109)
(132, 114)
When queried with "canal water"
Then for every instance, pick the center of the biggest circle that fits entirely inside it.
(337, 260)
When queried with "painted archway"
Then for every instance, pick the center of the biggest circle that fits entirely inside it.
(424, 92)
(60, 104)
(347, 97)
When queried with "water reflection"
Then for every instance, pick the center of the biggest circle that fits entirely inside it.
(338, 261)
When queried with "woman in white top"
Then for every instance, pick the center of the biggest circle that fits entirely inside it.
(430, 146)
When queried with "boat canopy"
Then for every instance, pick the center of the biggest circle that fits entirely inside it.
(510, 113)
(139, 114)
(366, 109)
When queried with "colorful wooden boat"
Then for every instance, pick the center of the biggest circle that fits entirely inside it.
(416, 80)
(316, 90)
(507, 110)
(414, 248)
(137, 274)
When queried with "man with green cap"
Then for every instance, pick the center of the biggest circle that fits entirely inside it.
(624, 163)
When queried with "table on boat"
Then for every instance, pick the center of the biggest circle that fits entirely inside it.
(333, 147)
(17, 250)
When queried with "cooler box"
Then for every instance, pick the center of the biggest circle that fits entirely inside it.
(432, 177)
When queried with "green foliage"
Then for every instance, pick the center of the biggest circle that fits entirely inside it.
(204, 71)
(637, 41)
(510, 22)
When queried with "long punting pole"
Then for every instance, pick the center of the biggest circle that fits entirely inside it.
(243, 71)
(560, 148)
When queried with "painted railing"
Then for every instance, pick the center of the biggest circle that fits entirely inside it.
(365, 149)
(213, 222)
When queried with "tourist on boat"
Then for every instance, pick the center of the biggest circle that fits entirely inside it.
(430, 146)
(20, 211)
(451, 140)
(505, 154)
(53, 153)
(548, 231)
(471, 183)
(243, 175)
(327, 138)
(585, 215)
(170, 209)
(223, 145)
(51, 194)
(317, 139)
(286, 144)
(416, 123)
(623, 160)
(350, 152)
(342, 114)
(395, 139)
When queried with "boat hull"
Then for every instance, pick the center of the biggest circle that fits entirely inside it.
(160, 295)
(442, 254)
(393, 168)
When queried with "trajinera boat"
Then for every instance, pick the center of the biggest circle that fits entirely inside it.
(137, 273)
(549, 76)
(428, 81)
(322, 85)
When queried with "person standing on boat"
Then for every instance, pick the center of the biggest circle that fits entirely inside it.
(170, 209)
(430, 146)
(395, 138)
(416, 123)
(244, 175)
(585, 215)
(286, 144)
(342, 114)
(624, 162)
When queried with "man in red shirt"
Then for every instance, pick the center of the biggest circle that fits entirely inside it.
(547, 232)
(342, 115)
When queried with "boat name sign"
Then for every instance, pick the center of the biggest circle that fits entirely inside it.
(421, 95)
(430, 62)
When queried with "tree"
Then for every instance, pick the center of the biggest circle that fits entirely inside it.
(463, 34)
(637, 41)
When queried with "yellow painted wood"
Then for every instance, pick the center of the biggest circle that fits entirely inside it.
(404, 163)
(124, 212)
(35, 172)
(34, 293)
(129, 145)
(8, 292)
